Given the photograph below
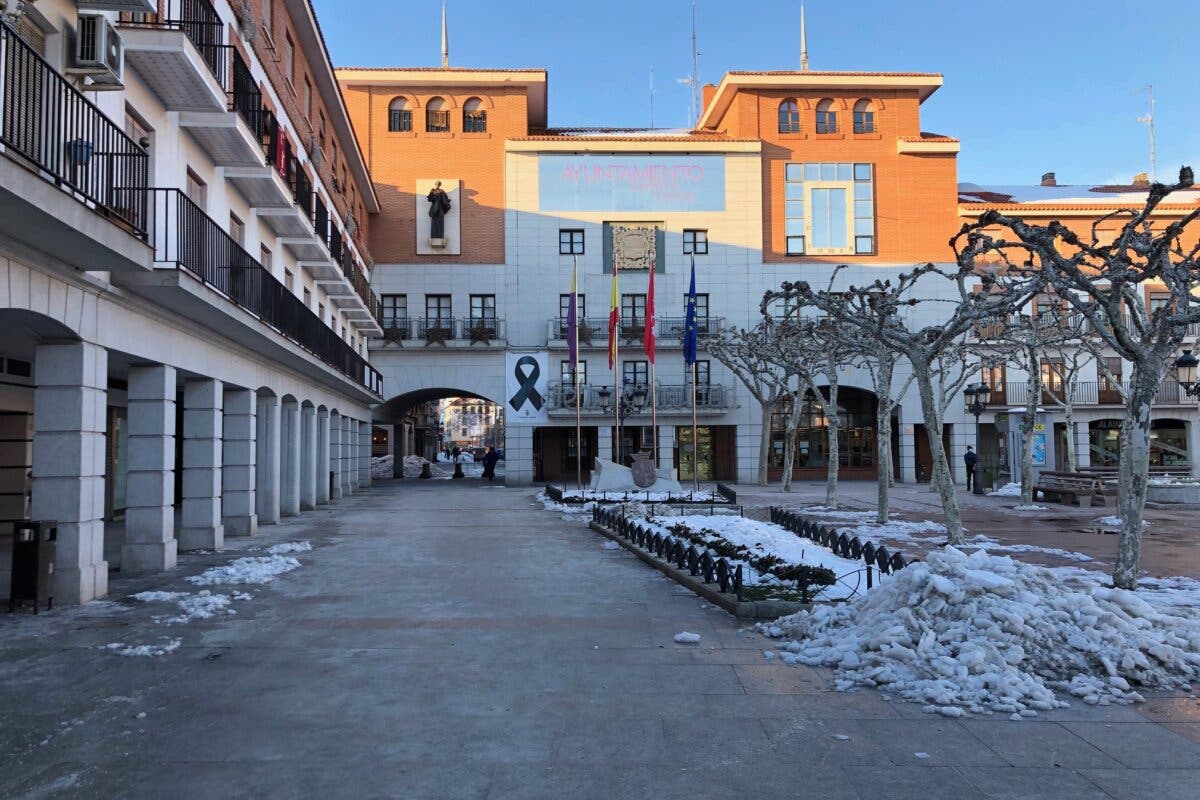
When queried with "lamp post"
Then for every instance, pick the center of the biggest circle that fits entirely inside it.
(1185, 372)
(633, 401)
(976, 399)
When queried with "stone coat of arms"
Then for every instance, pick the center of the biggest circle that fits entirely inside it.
(644, 474)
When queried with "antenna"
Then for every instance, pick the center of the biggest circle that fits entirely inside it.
(445, 39)
(1149, 120)
(693, 80)
(652, 97)
(803, 42)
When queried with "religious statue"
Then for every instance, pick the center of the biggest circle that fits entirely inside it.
(439, 206)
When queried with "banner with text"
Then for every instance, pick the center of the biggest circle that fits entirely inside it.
(619, 182)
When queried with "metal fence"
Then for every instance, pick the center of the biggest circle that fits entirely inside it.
(669, 397)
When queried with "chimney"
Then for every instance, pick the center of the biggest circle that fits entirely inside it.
(1048, 179)
(1141, 179)
(707, 92)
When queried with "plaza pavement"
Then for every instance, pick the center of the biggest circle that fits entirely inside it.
(451, 640)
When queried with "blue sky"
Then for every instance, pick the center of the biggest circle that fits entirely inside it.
(1030, 87)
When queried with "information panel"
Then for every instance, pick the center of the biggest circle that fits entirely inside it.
(618, 182)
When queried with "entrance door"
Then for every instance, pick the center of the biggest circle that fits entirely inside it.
(701, 466)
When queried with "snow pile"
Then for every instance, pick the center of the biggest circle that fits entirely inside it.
(1031, 507)
(687, 638)
(702, 496)
(250, 569)
(571, 512)
(290, 547)
(158, 597)
(1116, 522)
(414, 464)
(144, 650)
(1007, 490)
(381, 467)
(204, 605)
(992, 634)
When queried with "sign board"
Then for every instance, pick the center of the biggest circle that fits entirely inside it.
(1039, 449)
(623, 182)
(527, 400)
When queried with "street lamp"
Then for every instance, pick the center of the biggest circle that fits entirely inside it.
(976, 396)
(1185, 372)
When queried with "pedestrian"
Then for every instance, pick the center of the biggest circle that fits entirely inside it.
(970, 459)
(490, 459)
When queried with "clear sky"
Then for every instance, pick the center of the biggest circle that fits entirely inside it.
(1030, 86)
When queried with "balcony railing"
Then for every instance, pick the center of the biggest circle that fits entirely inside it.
(1086, 393)
(184, 237)
(593, 331)
(199, 21)
(66, 138)
(442, 330)
(596, 398)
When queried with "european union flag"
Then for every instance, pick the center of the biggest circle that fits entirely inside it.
(689, 324)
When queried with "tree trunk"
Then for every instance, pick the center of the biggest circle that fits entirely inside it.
(833, 427)
(789, 445)
(1033, 387)
(942, 478)
(883, 461)
(1133, 469)
(1069, 423)
(764, 444)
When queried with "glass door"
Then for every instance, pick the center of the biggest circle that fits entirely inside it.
(701, 466)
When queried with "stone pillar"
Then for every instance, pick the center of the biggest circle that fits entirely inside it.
(349, 486)
(335, 457)
(906, 470)
(266, 464)
(666, 444)
(398, 450)
(604, 442)
(308, 457)
(324, 445)
(69, 410)
(202, 433)
(239, 512)
(150, 544)
(289, 459)
(1083, 445)
(518, 454)
(364, 454)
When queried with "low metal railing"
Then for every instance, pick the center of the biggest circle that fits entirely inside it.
(876, 557)
(1090, 393)
(434, 330)
(184, 237)
(669, 397)
(593, 331)
(66, 138)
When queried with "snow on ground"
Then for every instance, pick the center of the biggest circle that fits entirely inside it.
(249, 569)
(290, 547)
(988, 633)
(144, 650)
(702, 496)
(767, 538)
(1112, 521)
(381, 467)
(685, 637)
(1007, 490)
(571, 512)
(1030, 507)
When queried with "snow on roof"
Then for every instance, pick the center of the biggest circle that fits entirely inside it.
(1060, 195)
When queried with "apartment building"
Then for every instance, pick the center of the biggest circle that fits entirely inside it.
(185, 277)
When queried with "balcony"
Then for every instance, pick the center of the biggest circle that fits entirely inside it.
(1087, 393)
(711, 400)
(180, 53)
(187, 241)
(71, 181)
(593, 332)
(448, 332)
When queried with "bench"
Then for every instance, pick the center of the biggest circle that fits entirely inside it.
(1065, 487)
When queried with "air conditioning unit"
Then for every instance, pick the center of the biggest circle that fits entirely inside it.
(99, 53)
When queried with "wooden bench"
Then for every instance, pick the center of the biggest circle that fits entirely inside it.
(1066, 487)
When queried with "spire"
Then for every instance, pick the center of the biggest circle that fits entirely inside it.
(445, 39)
(803, 42)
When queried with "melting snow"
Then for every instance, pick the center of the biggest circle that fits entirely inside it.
(1007, 490)
(290, 547)
(250, 569)
(144, 650)
(687, 638)
(992, 634)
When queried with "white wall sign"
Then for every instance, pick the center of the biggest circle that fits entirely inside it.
(526, 398)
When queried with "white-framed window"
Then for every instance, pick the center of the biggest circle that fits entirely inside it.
(829, 208)
(565, 371)
(695, 241)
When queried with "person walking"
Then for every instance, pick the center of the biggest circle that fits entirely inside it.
(490, 459)
(970, 459)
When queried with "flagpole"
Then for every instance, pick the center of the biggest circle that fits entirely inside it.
(654, 413)
(695, 436)
(617, 389)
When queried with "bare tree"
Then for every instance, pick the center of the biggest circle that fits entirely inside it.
(879, 360)
(1066, 365)
(922, 344)
(1105, 277)
(749, 354)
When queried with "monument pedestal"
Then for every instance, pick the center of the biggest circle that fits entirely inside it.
(609, 476)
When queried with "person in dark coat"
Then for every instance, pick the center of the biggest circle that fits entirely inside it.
(490, 459)
(970, 459)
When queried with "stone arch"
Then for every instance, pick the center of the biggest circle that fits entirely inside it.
(485, 101)
(410, 99)
(448, 101)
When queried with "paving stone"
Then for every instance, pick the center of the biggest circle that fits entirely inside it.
(1026, 744)
(1140, 745)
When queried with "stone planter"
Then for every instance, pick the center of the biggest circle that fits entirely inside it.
(1186, 493)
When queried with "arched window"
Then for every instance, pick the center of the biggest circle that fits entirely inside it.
(826, 117)
(864, 117)
(474, 117)
(437, 118)
(789, 116)
(399, 116)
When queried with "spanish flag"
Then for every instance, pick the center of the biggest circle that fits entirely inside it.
(614, 319)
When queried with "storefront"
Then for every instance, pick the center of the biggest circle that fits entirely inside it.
(1168, 442)
(716, 449)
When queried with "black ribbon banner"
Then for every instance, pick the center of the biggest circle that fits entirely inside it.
(528, 380)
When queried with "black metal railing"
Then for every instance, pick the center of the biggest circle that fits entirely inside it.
(199, 21)
(669, 397)
(184, 237)
(875, 556)
(320, 221)
(1090, 393)
(66, 138)
(593, 331)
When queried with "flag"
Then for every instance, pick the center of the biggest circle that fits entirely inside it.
(614, 318)
(572, 320)
(651, 322)
(689, 323)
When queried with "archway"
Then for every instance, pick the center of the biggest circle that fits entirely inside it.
(435, 424)
(857, 454)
